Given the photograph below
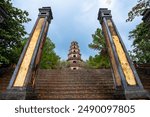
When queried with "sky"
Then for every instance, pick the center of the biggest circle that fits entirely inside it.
(76, 20)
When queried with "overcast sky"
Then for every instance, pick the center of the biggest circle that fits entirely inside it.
(76, 20)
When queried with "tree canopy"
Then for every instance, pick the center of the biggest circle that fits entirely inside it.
(49, 58)
(12, 38)
(101, 60)
(98, 42)
(11, 32)
(141, 43)
(98, 61)
(140, 35)
(138, 9)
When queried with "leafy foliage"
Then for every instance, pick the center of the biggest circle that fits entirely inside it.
(101, 60)
(49, 58)
(98, 42)
(140, 35)
(11, 32)
(63, 64)
(141, 43)
(98, 61)
(138, 9)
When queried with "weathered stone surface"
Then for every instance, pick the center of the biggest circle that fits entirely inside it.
(78, 84)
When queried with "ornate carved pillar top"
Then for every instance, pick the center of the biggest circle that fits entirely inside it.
(46, 11)
(104, 12)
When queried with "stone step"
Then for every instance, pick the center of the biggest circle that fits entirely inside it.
(75, 83)
(39, 86)
(75, 97)
(49, 92)
(75, 90)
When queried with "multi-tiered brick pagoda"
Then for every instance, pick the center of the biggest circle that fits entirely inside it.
(74, 56)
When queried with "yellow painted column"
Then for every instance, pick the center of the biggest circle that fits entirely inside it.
(112, 58)
(122, 56)
(123, 70)
(19, 82)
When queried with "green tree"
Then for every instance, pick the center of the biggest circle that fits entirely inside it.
(49, 58)
(62, 64)
(138, 9)
(140, 35)
(11, 32)
(141, 43)
(98, 61)
(101, 60)
(98, 42)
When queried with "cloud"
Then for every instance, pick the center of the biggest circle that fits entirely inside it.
(108, 2)
(88, 6)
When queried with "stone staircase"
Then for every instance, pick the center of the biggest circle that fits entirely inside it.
(74, 84)
(77, 84)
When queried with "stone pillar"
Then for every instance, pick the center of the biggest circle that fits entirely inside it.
(124, 73)
(21, 85)
(74, 56)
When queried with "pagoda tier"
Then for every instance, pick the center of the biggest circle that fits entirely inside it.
(73, 58)
(74, 47)
(70, 53)
(74, 50)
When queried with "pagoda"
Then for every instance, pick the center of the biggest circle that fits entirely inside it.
(74, 56)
